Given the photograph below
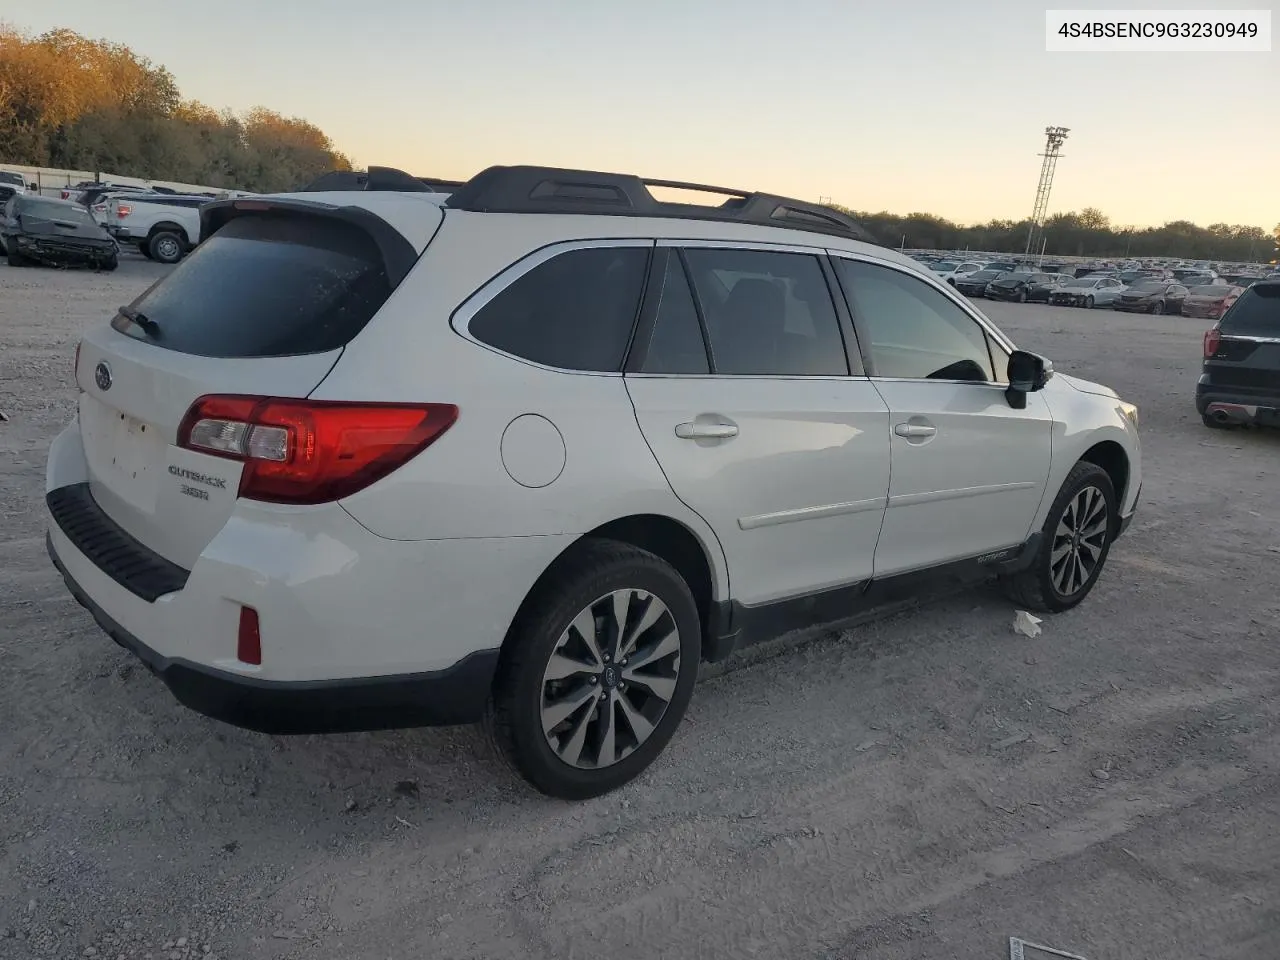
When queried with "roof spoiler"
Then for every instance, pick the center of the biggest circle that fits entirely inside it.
(387, 179)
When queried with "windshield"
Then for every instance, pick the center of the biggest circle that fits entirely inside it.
(1147, 286)
(53, 210)
(1210, 290)
(944, 266)
(987, 275)
(1083, 282)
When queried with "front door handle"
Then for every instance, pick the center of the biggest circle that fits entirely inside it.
(706, 431)
(915, 431)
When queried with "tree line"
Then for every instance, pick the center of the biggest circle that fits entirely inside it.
(68, 101)
(72, 102)
(1088, 233)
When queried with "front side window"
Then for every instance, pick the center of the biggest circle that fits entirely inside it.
(916, 332)
(767, 313)
(574, 311)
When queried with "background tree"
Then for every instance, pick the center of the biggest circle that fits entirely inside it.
(73, 102)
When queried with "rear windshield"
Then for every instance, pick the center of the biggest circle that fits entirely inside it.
(1255, 314)
(265, 286)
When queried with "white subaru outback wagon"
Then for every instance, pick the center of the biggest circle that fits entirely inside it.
(531, 450)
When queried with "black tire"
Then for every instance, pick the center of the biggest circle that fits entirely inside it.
(950, 281)
(145, 250)
(166, 246)
(1088, 302)
(592, 571)
(1035, 587)
(15, 258)
(107, 266)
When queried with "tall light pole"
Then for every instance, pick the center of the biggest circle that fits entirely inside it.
(1054, 139)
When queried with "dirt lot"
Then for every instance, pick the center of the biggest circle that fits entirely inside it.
(921, 787)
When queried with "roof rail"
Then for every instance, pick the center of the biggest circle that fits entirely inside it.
(531, 189)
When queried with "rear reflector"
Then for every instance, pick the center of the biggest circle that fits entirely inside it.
(311, 451)
(249, 640)
(123, 210)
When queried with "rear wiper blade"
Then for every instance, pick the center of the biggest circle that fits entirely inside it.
(142, 320)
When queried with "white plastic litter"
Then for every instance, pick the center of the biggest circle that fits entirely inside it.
(1026, 624)
(1020, 949)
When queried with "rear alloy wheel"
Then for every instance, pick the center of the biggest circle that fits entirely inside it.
(1088, 302)
(597, 671)
(166, 247)
(1157, 308)
(1075, 542)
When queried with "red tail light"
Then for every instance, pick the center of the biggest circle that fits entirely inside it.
(249, 637)
(1211, 340)
(123, 210)
(311, 451)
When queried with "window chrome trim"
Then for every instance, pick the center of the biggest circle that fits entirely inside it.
(464, 313)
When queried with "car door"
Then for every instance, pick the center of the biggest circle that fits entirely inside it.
(967, 470)
(743, 387)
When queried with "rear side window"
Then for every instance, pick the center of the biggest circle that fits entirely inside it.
(1255, 314)
(265, 286)
(574, 311)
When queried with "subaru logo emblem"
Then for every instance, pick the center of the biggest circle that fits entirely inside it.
(102, 375)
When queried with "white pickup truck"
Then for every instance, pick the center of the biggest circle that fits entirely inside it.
(164, 226)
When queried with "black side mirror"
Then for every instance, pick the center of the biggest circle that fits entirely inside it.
(1028, 372)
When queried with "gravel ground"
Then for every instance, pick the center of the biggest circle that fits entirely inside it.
(923, 786)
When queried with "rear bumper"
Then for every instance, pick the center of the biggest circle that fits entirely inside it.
(358, 631)
(1235, 405)
(452, 696)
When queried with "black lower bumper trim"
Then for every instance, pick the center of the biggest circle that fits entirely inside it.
(456, 695)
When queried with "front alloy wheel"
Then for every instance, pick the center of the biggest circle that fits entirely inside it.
(1078, 541)
(1074, 543)
(597, 670)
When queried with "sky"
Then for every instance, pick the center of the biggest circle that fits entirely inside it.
(898, 105)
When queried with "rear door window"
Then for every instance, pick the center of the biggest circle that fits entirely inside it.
(767, 313)
(575, 311)
(265, 286)
(1255, 314)
(676, 345)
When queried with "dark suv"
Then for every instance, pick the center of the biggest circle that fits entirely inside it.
(1240, 382)
(54, 232)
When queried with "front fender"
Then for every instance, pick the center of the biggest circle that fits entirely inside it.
(1082, 421)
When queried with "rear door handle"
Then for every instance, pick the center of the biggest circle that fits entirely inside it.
(915, 431)
(706, 431)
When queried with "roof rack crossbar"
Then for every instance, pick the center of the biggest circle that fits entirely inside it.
(533, 189)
